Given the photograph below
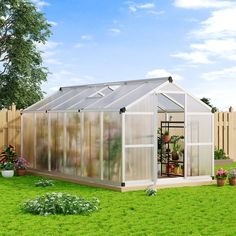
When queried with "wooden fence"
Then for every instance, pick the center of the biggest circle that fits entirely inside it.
(10, 127)
(225, 132)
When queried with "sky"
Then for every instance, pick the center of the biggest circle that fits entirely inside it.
(96, 41)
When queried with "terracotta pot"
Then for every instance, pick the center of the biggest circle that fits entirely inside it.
(166, 138)
(232, 181)
(21, 172)
(177, 170)
(175, 156)
(220, 182)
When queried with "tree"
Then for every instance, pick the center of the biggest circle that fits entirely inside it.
(22, 27)
(208, 102)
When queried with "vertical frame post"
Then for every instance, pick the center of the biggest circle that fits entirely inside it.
(123, 149)
(154, 159)
(21, 135)
(64, 140)
(49, 141)
(212, 140)
(185, 137)
(35, 140)
(82, 142)
(101, 145)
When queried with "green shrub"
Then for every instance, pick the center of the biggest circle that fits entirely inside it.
(44, 183)
(220, 154)
(151, 191)
(60, 203)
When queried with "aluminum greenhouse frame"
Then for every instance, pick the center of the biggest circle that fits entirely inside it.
(106, 134)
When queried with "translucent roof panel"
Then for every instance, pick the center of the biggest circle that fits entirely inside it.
(166, 104)
(114, 96)
(135, 94)
(69, 103)
(179, 98)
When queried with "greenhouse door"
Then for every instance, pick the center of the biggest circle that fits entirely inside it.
(171, 149)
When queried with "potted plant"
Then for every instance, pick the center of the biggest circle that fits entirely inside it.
(7, 169)
(166, 137)
(221, 176)
(177, 169)
(232, 176)
(21, 165)
(176, 147)
(7, 159)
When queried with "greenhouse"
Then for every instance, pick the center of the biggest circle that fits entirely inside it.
(129, 133)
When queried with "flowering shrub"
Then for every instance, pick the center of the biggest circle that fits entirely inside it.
(60, 203)
(21, 163)
(232, 173)
(151, 191)
(221, 174)
(44, 183)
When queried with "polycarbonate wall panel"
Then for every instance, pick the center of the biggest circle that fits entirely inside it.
(171, 87)
(28, 137)
(196, 106)
(91, 161)
(112, 146)
(139, 129)
(144, 105)
(199, 160)
(200, 129)
(200, 144)
(138, 163)
(42, 141)
(57, 141)
(73, 159)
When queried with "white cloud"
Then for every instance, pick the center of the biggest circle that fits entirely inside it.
(194, 57)
(40, 4)
(222, 48)
(79, 45)
(198, 4)
(134, 7)
(86, 37)
(221, 23)
(48, 45)
(115, 30)
(65, 77)
(226, 73)
(216, 46)
(145, 6)
(49, 52)
(158, 73)
(215, 37)
(53, 23)
(52, 61)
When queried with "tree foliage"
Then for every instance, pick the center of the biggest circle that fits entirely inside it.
(208, 102)
(22, 27)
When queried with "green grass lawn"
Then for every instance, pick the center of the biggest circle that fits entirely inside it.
(205, 210)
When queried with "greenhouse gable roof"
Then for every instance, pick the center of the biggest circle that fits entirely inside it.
(105, 96)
